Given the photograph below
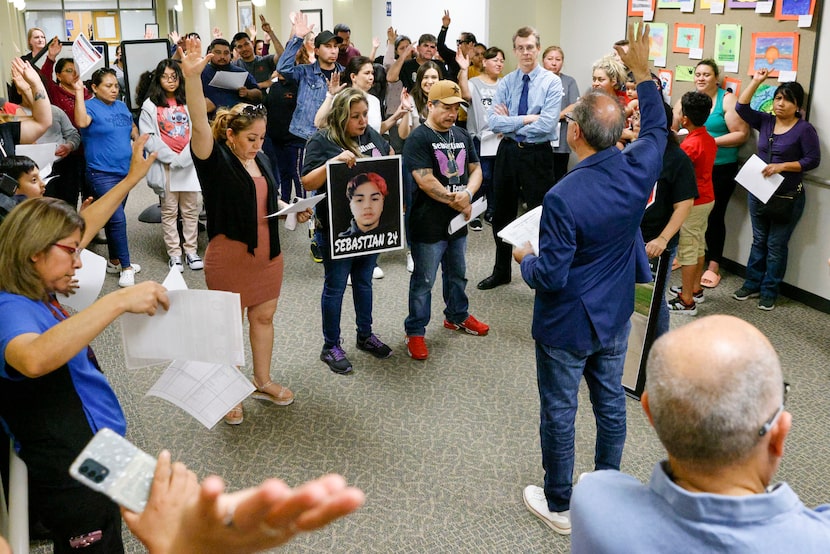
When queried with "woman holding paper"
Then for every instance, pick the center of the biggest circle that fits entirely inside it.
(789, 145)
(345, 137)
(243, 255)
(53, 395)
(165, 117)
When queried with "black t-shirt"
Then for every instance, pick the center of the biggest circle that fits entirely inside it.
(320, 149)
(9, 137)
(281, 103)
(447, 155)
(676, 183)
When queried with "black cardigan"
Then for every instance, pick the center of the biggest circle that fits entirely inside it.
(230, 197)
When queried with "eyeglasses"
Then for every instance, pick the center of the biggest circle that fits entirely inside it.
(531, 48)
(172, 77)
(770, 423)
(459, 42)
(255, 111)
(74, 252)
(569, 117)
(68, 70)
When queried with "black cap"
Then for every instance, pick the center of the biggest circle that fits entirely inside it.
(326, 37)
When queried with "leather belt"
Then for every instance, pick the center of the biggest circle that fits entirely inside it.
(528, 145)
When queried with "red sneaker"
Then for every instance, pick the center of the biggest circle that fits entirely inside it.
(417, 348)
(470, 325)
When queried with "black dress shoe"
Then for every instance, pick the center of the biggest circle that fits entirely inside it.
(492, 282)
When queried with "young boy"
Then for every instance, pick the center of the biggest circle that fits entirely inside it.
(25, 171)
(701, 149)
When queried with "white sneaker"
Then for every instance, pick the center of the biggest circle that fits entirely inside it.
(410, 263)
(377, 273)
(116, 268)
(194, 262)
(127, 278)
(349, 281)
(534, 499)
(176, 261)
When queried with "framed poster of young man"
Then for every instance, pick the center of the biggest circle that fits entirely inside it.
(365, 205)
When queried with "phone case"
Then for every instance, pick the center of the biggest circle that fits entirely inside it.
(112, 465)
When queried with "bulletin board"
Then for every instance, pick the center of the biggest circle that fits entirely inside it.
(774, 40)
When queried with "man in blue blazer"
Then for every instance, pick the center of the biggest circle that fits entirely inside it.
(590, 254)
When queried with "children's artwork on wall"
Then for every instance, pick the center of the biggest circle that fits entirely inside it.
(762, 99)
(659, 40)
(666, 77)
(732, 85)
(686, 36)
(742, 4)
(792, 9)
(774, 51)
(727, 44)
(636, 7)
(705, 4)
(685, 73)
(670, 4)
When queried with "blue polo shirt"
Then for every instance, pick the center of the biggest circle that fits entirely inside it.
(222, 96)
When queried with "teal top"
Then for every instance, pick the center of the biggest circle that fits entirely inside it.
(716, 125)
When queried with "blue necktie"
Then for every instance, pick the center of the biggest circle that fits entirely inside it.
(523, 102)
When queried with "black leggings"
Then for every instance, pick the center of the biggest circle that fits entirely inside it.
(723, 181)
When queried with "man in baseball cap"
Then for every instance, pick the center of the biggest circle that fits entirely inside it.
(447, 92)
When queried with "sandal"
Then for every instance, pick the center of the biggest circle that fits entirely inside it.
(709, 279)
(282, 397)
(235, 416)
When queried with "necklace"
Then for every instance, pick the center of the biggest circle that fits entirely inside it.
(245, 163)
(452, 167)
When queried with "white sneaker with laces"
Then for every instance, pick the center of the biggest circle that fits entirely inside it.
(116, 268)
(127, 278)
(377, 273)
(194, 262)
(534, 499)
(410, 263)
(176, 261)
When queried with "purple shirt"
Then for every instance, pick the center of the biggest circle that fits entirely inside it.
(799, 144)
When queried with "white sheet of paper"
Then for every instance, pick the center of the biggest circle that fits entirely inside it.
(524, 229)
(660, 62)
(648, 15)
(458, 221)
(201, 326)
(90, 281)
(751, 179)
(731, 67)
(763, 7)
(786, 76)
(174, 280)
(716, 7)
(204, 390)
(805, 21)
(490, 144)
(695, 53)
(300, 206)
(231, 80)
(687, 6)
(84, 54)
(42, 154)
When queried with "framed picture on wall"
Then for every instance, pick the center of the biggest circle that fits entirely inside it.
(315, 19)
(245, 14)
(793, 9)
(636, 7)
(666, 77)
(670, 4)
(687, 36)
(732, 85)
(151, 30)
(773, 51)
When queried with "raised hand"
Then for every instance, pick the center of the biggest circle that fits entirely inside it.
(265, 26)
(760, 75)
(391, 35)
(217, 32)
(334, 84)
(193, 63)
(445, 21)
(54, 49)
(375, 43)
(462, 60)
(139, 165)
(636, 58)
(301, 27)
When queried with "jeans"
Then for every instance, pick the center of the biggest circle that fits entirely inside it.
(559, 372)
(663, 315)
(116, 228)
(768, 256)
(427, 256)
(334, 286)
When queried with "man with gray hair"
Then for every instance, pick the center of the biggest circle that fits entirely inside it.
(715, 395)
(590, 251)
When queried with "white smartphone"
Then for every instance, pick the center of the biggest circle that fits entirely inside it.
(112, 465)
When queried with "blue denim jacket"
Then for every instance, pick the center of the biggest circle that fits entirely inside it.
(311, 91)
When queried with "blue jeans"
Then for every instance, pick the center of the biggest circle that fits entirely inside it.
(288, 159)
(427, 256)
(334, 286)
(116, 228)
(768, 256)
(559, 372)
(663, 315)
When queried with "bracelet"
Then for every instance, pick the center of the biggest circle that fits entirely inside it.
(664, 238)
(470, 193)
